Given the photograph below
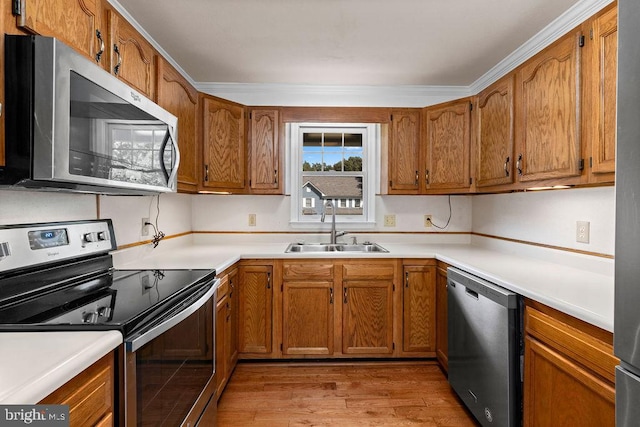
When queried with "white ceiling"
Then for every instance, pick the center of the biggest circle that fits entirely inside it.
(342, 42)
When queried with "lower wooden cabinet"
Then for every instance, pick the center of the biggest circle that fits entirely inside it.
(442, 340)
(568, 371)
(419, 311)
(226, 329)
(90, 395)
(255, 309)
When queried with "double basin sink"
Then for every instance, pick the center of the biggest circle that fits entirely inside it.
(337, 247)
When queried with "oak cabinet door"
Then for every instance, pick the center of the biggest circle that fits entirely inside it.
(264, 163)
(307, 318)
(548, 114)
(255, 309)
(448, 139)
(419, 314)
(222, 344)
(442, 341)
(495, 137)
(404, 152)
(367, 317)
(559, 392)
(601, 94)
(176, 95)
(131, 58)
(224, 148)
(75, 22)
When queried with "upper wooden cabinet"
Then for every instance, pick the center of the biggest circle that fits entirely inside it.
(131, 57)
(176, 95)
(223, 145)
(494, 128)
(447, 139)
(265, 175)
(405, 167)
(548, 124)
(75, 22)
(600, 63)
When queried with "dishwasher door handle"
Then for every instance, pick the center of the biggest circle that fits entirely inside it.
(471, 293)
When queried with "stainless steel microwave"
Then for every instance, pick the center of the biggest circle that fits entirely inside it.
(70, 125)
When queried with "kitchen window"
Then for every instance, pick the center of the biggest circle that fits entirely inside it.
(337, 163)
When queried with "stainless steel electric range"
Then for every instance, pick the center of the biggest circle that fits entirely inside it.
(60, 276)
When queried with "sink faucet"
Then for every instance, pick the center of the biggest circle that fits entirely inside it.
(334, 234)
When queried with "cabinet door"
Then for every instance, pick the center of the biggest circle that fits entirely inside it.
(222, 340)
(559, 392)
(255, 313)
(233, 324)
(442, 348)
(264, 162)
(404, 152)
(448, 138)
(307, 317)
(601, 94)
(367, 317)
(74, 22)
(131, 56)
(419, 314)
(223, 150)
(177, 96)
(548, 114)
(495, 134)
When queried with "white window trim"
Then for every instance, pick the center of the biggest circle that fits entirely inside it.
(293, 184)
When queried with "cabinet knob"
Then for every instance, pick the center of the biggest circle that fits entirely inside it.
(506, 166)
(519, 164)
(426, 176)
(206, 173)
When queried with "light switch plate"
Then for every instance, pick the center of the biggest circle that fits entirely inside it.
(582, 231)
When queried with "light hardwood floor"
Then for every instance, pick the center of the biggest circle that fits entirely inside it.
(340, 394)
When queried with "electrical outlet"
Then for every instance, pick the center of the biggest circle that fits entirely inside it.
(144, 231)
(252, 220)
(389, 220)
(582, 231)
(427, 221)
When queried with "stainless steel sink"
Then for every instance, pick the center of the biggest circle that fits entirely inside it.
(339, 247)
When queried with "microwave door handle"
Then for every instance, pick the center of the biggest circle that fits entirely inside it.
(174, 170)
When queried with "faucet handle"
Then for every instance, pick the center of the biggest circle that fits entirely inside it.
(354, 240)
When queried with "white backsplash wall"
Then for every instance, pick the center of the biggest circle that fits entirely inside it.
(127, 213)
(231, 213)
(549, 217)
(22, 207)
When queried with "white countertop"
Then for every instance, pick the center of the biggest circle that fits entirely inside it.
(579, 285)
(34, 364)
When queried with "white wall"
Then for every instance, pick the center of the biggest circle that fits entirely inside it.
(549, 217)
(127, 213)
(230, 213)
(22, 207)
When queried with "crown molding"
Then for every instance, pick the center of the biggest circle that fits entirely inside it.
(261, 94)
(573, 17)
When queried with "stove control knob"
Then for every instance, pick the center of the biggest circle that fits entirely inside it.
(90, 317)
(90, 237)
(102, 236)
(104, 312)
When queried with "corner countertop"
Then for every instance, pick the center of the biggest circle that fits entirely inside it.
(34, 364)
(576, 284)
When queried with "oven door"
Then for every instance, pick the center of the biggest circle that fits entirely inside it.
(170, 366)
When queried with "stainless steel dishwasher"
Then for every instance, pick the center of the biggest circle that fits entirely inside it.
(485, 348)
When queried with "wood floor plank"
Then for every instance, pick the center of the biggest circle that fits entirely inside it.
(344, 393)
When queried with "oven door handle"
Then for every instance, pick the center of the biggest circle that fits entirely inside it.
(137, 340)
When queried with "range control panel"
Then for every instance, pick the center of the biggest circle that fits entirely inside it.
(25, 245)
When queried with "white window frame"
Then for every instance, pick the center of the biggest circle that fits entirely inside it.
(370, 169)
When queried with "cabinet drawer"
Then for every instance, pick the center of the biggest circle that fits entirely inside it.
(223, 289)
(89, 395)
(368, 271)
(307, 270)
(573, 340)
